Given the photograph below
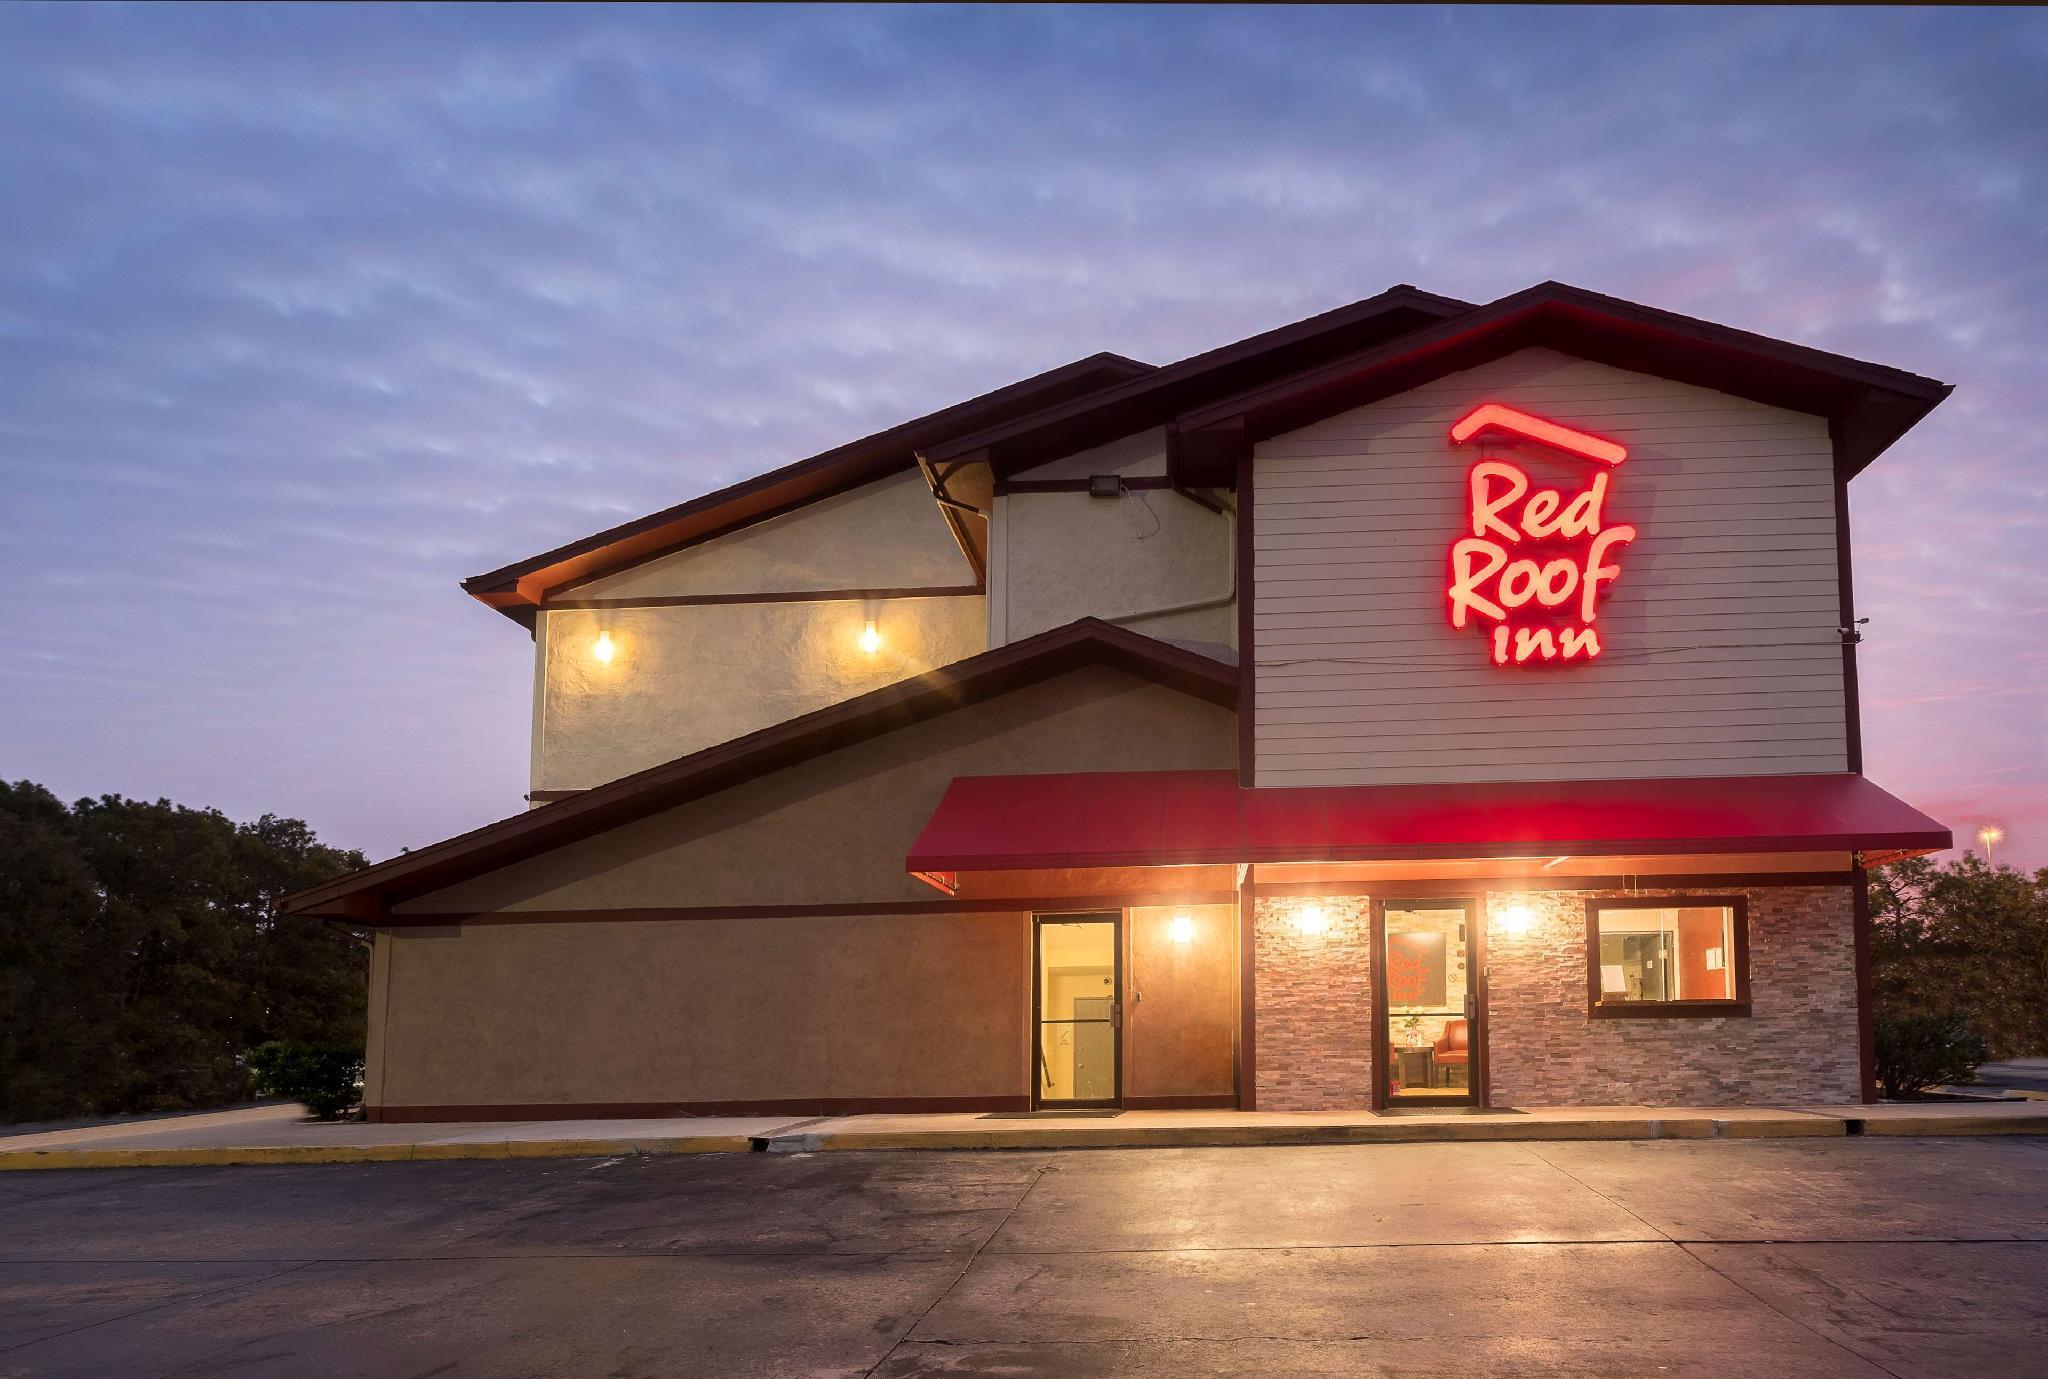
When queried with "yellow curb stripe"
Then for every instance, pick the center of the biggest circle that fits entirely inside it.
(1955, 1125)
(30, 1159)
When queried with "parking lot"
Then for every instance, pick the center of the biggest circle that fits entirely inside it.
(1857, 1257)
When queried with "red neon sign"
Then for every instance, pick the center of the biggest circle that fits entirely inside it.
(1497, 416)
(1534, 562)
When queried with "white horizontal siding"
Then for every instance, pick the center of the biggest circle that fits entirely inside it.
(1722, 650)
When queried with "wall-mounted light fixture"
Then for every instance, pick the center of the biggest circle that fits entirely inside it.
(1182, 929)
(603, 649)
(870, 640)
(1516, 920)
(1310, 919)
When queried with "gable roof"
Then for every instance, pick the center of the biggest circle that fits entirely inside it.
(1154, 398)
(516, 589)
(366, 894)
(1868, 405)
(1215, 405)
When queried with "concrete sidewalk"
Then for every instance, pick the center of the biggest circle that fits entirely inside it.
(282, 1134)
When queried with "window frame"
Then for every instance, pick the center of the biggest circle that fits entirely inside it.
(1716, 1008)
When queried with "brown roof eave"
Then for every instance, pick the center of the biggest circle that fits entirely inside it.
(367, 894)
(1156, 397)
(516, 588)
(1871, 405)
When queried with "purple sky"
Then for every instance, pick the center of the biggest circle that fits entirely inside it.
(306, 313)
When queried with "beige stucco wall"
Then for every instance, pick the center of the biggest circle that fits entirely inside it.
(836, 828)
(1055, 557)
(874, 1006)
(685, 678)
(884, 535)
(1722, 653)
(1180, 1002)
(1140, 454)
(769, 1008)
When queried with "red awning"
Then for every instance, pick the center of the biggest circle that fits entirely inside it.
(1171, 818)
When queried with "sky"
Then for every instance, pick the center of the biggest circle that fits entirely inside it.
(306, 313)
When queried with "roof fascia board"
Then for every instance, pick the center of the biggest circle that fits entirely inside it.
(516, 587)
(1117, 410)
(1875, 404)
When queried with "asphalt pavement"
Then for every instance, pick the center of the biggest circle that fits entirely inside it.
(1837, 1257)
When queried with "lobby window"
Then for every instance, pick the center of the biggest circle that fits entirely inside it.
(1667, 956)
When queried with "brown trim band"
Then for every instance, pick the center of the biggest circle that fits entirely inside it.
(1672, 1010)
(1006, 488)
(947, 591)
(1636, 881)
(664, 1110)
(1866, 1015)
(835, 910)
(1247, 631)
(1852, 704)
(1212, 1101)
(1247, 1000)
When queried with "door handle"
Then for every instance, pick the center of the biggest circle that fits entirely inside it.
(1116, 1015)
(1471, 1007)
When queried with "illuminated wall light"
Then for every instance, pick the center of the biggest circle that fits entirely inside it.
(1310, 919)
(1517, 920)
(870, 640)
(1182, 929)
(604, 650)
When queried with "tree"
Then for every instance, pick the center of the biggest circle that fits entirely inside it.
(142, 956)
(1965, 938)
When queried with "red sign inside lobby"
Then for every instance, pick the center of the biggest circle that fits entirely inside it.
(1535, 561)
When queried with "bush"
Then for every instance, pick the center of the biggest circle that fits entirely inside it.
(328, 1081)
(1918, 1051)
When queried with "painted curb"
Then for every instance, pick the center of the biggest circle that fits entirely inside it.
(1250, 1136)
(1937, 1126)
(23, 1160)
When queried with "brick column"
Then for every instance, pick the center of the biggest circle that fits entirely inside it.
(1314, 1013)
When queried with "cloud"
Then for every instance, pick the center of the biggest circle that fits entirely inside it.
(307, 313)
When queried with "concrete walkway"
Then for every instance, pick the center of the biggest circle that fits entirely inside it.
(282, 1134)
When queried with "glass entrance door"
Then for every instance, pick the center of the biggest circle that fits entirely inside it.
(1078, 1010)
(1428, 979)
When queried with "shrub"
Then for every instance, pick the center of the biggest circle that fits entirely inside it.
(1918, 1051)
(328, 1081)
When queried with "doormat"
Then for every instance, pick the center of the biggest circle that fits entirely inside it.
(1450, 1111)
(1090, 1113)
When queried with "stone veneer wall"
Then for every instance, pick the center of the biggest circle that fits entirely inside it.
(1799, 1043)
(1314, 1005)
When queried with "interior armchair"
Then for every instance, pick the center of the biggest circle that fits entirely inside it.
(1453, 1053)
